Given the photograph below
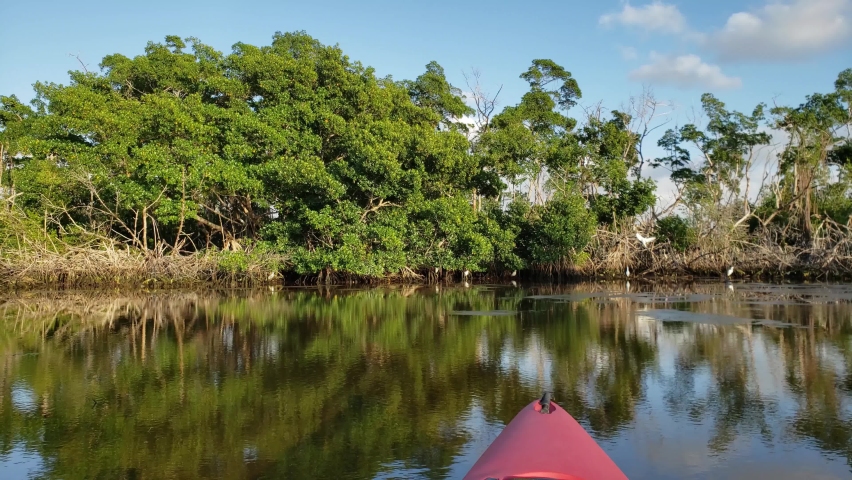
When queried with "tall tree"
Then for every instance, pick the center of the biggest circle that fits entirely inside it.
(726, 150)
(819, 135)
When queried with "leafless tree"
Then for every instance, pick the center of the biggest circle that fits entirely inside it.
(484, 103)
(645, 113)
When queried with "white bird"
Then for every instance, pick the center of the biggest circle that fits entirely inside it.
(466, 273)
(730, 271)
(514, 272)
(645, 240)
(436, 269)
(270, 276)
(627, 272)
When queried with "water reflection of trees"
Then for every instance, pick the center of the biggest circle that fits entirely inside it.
(307, 384)
(323, 382)
(812, 359)
(731, 399)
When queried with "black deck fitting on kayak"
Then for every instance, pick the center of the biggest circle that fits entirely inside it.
(545, 402)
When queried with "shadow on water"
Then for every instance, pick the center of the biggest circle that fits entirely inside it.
(688, 381)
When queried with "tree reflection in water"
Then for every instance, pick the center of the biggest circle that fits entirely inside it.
(319, 383)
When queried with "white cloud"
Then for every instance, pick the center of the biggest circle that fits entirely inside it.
(656, 16)
(628, 53)
(684, 71)
(784, 31)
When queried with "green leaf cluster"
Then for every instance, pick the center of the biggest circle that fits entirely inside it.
(295, 148)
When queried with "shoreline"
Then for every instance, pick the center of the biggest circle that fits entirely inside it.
(112, 268)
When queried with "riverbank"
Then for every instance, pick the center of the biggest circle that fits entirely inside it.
(109, 266)
(325, 173)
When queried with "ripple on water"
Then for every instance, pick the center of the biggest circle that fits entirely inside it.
(20, 462)
(24, 398)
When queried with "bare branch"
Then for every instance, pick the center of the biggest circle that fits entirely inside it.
(374, 207)
(484, 103)
(77, 56)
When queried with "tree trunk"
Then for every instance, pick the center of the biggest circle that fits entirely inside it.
(145, 228)
(2, 165)
(182, 208)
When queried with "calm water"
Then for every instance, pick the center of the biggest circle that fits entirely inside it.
(686, 381)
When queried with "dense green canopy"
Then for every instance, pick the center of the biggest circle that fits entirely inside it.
(295, 149)
(296, 146)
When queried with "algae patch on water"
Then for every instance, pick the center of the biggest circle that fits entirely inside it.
(484, 313)
(667, 315)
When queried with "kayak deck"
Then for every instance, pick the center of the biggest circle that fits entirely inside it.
(545, 446)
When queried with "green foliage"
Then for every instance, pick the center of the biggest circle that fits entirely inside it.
(609, 152)
(432, 91)
(255, 257)
(727, 147)
(558, 230)
(625, 199)
(818, 132)
(295, 146)
(520, 142)
(835, 198)
(502, 227)
(18, 229)
(298, 147)
(292, 142)
(677, 231)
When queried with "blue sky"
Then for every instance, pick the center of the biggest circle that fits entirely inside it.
(783, 49)
(743, 51)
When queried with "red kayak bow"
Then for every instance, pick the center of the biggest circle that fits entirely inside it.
(544, 442)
